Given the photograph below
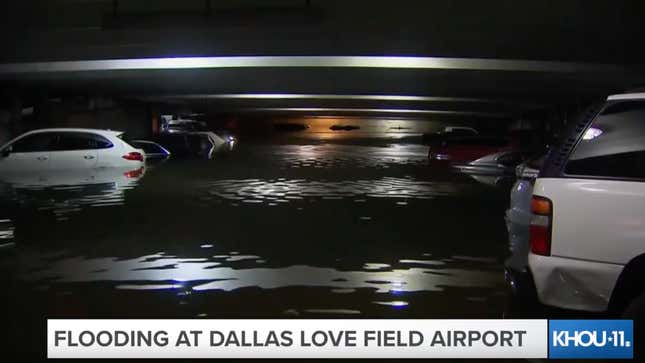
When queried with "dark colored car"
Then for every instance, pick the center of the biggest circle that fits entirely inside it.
(187, 145)
(449, 133)
(151, 149)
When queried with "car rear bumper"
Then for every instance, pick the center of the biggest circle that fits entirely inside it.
(573, 284)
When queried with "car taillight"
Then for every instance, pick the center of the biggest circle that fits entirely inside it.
(134, 173)
(540, 227)
(135, 156)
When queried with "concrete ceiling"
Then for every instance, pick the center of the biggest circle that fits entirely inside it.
(452, 58)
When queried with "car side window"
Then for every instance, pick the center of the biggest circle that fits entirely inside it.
(148, 147)
(613, 145)
(68, 141)
(42, 141)
(152, 149)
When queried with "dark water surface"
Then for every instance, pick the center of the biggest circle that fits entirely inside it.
(265, 231)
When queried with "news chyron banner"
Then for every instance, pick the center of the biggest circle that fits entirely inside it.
(333, 338)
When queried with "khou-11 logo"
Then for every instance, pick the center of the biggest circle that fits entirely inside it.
(591, 339)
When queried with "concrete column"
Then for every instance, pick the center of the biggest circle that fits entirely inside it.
(42, 112)
(15, 117)
(155, 118)
(5, 136)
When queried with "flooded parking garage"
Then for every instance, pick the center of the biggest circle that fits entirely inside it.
(324, 222)
(270, 230)
(290, 229)
(317, 160)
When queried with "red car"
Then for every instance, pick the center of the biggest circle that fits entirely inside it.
(466, 150)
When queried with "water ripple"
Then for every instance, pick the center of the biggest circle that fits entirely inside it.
(160, 271)
(6, 231)
(343, 156)
(284, 191)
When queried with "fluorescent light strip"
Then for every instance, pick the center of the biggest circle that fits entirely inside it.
(376, 110)
(300, 96)
(474, 64)
(626, 96)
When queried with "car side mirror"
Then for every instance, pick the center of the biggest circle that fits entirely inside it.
(6, 152)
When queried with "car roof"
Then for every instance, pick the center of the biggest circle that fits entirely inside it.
(627, 96)
(70, 129)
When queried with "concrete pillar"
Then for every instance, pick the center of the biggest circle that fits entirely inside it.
(15, 117)
(155, 118)
(5, 135)
(42, 112)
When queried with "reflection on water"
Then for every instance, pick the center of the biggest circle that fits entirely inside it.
(328, 229)
(68, 191)
(396, 304)
(220, 272)
(339, 156)
(284, 190)
(6, 232)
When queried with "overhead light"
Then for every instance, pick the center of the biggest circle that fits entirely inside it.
(473, 64)
(303, 96)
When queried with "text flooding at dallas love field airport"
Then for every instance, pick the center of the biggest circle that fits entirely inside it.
(263, 338)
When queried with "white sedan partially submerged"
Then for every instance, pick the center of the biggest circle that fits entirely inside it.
(68, 148)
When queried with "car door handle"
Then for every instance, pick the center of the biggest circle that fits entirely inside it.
(42, 158)
(88, 157)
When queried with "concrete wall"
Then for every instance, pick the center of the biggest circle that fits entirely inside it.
(95, 113)
(98, 113)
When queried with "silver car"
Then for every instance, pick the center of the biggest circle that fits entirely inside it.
(518, 218)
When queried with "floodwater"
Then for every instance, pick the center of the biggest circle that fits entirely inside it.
(269, 230)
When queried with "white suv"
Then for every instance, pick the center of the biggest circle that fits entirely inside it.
(68, 148)
(587, 230)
